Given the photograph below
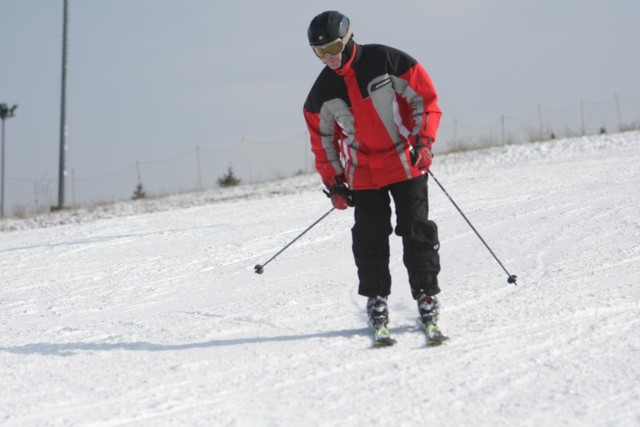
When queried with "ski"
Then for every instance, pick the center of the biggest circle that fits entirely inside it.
(433, 334)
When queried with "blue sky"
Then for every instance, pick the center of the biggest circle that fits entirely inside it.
(151, 80)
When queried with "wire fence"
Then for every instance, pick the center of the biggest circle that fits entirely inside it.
(616, 114)
(254, 161)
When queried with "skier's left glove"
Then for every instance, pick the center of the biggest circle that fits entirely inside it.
(421, 155)
(341, 197)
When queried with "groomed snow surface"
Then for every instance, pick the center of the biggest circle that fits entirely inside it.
(150, 313)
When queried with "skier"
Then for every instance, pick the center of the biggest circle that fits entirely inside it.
(372, 116)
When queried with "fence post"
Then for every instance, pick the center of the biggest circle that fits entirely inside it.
(199, 169)
(582, 117)
(615, 97)
(243, 142)
(138, 173)
(455, 134)
(540, 122)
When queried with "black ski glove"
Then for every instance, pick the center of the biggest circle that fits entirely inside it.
(337, 191)
(421, 155)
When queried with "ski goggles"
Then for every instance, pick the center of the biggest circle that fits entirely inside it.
(333, 48)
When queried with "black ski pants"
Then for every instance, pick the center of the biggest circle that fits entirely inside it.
(371, 233)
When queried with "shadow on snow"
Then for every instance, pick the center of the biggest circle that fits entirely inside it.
(69, 349)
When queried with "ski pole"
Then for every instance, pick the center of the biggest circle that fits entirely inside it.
(260, 267)
(511, 277)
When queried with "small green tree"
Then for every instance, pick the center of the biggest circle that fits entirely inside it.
(229, 179)
(139, 193)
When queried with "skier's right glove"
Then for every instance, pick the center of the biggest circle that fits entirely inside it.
(421, 155)
(337, 191)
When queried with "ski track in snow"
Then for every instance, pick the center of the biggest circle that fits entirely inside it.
(150, 313)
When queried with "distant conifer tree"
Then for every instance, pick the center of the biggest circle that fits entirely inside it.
(229, 179)
(139, 193)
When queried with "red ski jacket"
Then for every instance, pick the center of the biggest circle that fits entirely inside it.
(363, 118)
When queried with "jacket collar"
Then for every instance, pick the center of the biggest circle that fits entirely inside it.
(347, 65)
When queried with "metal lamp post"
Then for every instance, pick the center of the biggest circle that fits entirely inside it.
(62, 171)
(5, 112)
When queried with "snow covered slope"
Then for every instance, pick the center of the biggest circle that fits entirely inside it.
(153, 316)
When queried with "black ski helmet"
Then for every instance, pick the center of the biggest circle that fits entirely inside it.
(327, 27)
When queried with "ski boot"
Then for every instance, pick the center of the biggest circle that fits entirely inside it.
(378, 314)
(428, 307)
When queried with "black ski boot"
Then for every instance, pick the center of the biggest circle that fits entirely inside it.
(378, 314)
(429, 309)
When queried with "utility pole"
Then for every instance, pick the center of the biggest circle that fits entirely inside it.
(5, 113)
(62, 171)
